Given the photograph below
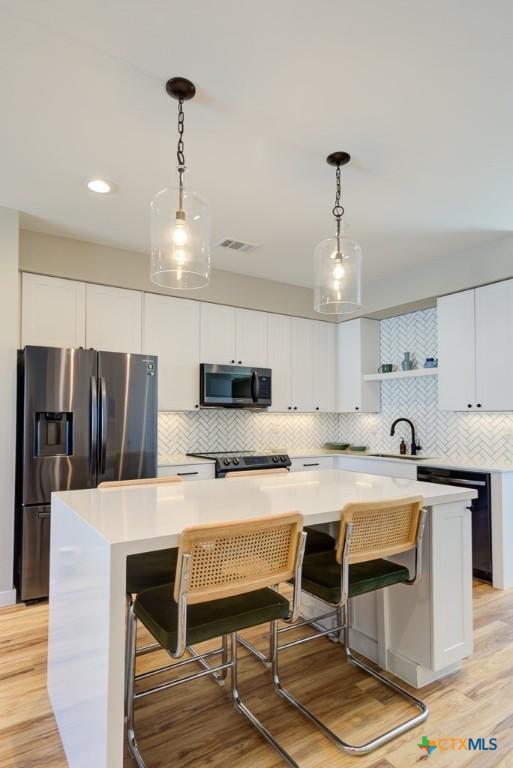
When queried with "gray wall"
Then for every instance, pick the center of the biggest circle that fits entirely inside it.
(416, 288)
(80, 260)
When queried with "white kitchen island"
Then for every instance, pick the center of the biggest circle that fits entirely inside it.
(420, 633)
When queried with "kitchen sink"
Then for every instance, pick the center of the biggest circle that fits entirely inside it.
(408, 456)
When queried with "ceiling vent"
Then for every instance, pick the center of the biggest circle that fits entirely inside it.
(236, 245)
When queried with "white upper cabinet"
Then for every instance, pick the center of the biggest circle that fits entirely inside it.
(358, 353)
(171, 331)
(475, 349)
(494, 347)
(232, 336)
(324, 368)
(217, 334)
(53, 312)
(279, 361)
(456, 352)
(251, 338)
(302, 396)
(113, 319)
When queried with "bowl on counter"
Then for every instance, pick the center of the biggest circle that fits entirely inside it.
(336, 446)
(360, 448)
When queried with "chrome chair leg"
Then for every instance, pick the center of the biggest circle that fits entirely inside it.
(133, 747)
(245, 712)
(352, 749)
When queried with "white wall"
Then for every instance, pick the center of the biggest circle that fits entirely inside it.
(9, 325)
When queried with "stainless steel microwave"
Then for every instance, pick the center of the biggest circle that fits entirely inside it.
(234, 386)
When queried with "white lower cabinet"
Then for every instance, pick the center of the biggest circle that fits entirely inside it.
(113, 319)
(171, 331)
(52, 311)
(406, 469)
(204, 471)
(312, 463)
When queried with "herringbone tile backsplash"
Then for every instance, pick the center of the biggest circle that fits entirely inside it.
(478, 435)
(233, 430)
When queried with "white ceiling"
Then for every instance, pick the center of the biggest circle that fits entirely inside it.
(418, 92)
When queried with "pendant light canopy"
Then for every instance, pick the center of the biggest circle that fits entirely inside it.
(180, 220)
(337, 261)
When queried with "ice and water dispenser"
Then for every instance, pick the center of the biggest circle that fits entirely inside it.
(54, 433)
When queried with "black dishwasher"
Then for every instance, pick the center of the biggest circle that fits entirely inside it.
(481, 512)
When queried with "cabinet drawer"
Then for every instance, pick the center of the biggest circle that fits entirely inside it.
(188, 471)
(319, 462)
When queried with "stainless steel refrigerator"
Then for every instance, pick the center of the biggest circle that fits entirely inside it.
(83, 417)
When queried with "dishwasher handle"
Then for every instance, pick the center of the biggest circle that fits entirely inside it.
(451, 480)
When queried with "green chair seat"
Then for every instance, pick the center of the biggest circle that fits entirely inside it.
(317, 541)
(321, 576)
(158, 611)
(150, 569)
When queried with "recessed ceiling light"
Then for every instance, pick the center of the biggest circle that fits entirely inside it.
(101, 186)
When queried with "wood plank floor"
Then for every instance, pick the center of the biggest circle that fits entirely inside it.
(196, 725)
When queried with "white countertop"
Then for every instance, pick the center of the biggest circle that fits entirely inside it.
(446, 462)
(122, 515)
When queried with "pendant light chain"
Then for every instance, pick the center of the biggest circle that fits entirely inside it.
(338, 209)
(180, 156)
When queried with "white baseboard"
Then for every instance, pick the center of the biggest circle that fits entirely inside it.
(7, 598)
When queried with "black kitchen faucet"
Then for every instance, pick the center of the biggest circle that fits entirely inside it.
(414, 447)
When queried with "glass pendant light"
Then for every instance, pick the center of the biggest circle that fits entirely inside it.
(337, 261)
(180, 220)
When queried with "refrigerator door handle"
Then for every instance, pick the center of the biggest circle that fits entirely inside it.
(103, 424)
(93, 425)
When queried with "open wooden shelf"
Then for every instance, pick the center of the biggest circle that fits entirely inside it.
(401, 374)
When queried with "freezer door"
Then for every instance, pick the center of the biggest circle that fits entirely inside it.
(56, 422)
(34, 564)
(127, 427)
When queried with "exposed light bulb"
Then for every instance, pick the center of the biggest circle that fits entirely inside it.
(180, 233)
(338, 271)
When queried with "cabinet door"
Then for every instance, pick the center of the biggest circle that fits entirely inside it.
(280, 361)
(358, 351)
(302, 364)
(494, 347)
(113, 319)
(52, 312)
(217, 334)
(456, 352)
(251, 338)
(324, 369)
(171, 331)
(349, 384)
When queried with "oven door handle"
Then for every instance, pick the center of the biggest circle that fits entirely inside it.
(255, 387)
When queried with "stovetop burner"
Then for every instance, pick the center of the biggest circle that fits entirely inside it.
(238, 461)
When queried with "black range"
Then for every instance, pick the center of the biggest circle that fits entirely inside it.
(240, 461)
